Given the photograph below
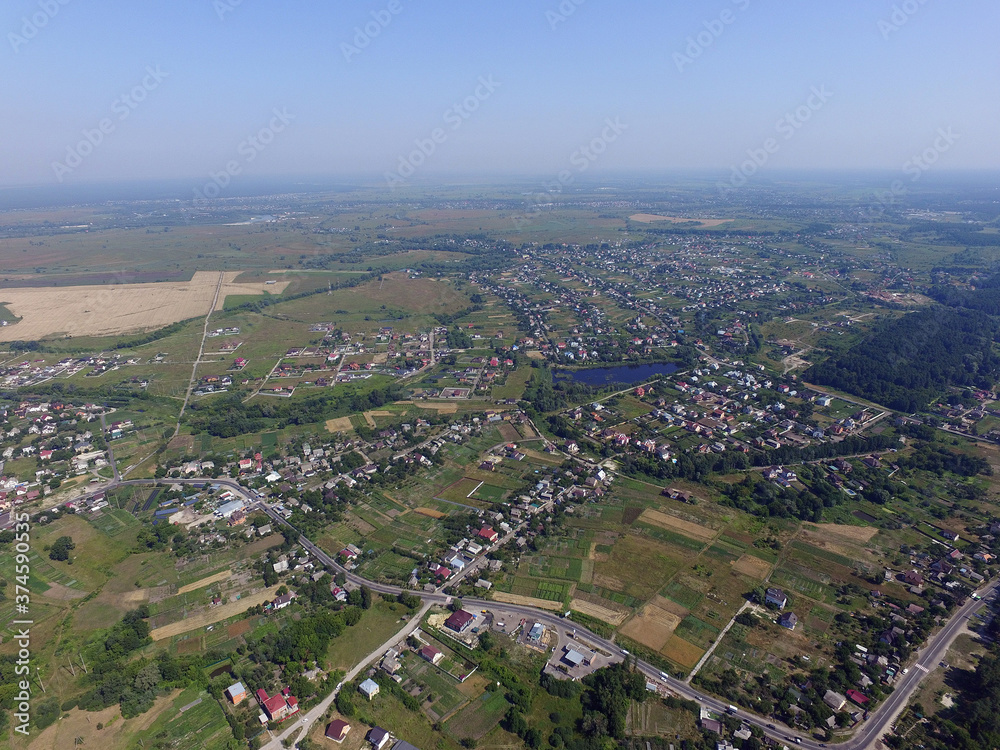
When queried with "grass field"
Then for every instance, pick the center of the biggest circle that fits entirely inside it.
(376, 626)
(479, 717)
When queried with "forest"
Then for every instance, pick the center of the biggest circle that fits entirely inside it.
(909, 362)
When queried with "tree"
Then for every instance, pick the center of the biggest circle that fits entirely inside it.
(61, 548)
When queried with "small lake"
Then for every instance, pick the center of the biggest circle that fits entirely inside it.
(624, 374)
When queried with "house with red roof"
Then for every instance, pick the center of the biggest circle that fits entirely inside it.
(337, 730)
(278, 707)
(459, 621)
(488, 534)
(858, 697)
(431, 654)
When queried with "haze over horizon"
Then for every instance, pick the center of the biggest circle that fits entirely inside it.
(217, 91)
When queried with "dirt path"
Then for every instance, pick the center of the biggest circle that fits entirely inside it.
(201, 351)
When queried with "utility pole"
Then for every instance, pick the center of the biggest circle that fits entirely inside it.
(71, 669)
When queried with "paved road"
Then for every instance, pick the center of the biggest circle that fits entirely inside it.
(865, 737)
(303, 722)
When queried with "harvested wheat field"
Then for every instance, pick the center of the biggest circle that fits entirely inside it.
(527, 601)
(672, 523)
(610, 616)
(681, 652)
(752, 566)
(115, 309)
(340, 424)
(222, 576)
(430, 512)
(652, 627)
(650, 218)
(214, 614)
(859, 534)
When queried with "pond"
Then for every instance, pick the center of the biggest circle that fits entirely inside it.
(624, 374)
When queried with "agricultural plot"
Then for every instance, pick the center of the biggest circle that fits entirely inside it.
(479, 716)
(112, 310)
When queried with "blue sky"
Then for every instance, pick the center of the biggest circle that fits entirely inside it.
(681, 100)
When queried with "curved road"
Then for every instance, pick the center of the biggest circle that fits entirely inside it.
(864, 737)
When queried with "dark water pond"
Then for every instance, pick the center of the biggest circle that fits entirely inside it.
(624, 374)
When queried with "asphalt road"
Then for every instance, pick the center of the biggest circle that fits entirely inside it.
(864, 737)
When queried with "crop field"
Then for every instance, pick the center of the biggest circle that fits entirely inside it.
(111, 310)
(479, 716)
(672, 523)
(459, 492)
(652, 627)
(682, 653)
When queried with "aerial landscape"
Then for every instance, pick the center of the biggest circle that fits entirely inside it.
(521, 376)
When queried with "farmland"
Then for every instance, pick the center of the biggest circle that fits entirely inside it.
(117, 309)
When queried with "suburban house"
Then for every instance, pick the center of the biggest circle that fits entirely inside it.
(279, 706)
(280, 602)
(488, 534)
(788, 620)
(369, 688)
(834, 700)
(378, 737)
(858, 697)
(776, 597)
(236, 693)
(337, 730)
(431, 654)
(459, 621)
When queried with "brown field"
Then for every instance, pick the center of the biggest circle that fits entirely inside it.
(650, 218)
(652, 627)
(215, 614)
(610, 616)
(430, 512)
(535, 354)
(444, 407)
(672, 523)
(681, 652)
(527, 601)
(857, 534)
(238, 628)
(76, 723)
(114, 309)
(191, 645)
(221, 576)
(752, 566)
(61, 593)
(508, 433)
(608, 582)
(340, 424)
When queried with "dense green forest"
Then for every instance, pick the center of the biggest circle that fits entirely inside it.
(907, 363)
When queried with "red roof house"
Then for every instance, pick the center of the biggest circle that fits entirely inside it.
(488, 534)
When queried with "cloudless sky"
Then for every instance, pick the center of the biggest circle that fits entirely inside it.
(230, 64)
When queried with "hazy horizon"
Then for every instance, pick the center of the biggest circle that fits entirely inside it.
(398, 94)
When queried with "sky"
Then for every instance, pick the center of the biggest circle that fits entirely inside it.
(218, 91)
